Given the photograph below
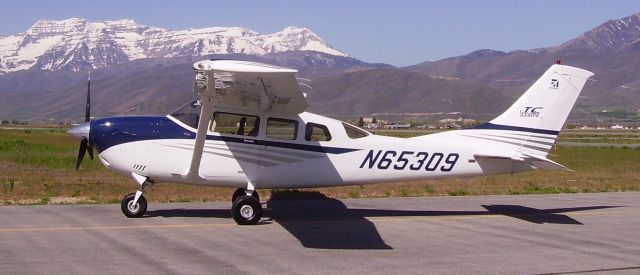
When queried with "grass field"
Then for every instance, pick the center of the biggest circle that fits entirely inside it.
(37, 167)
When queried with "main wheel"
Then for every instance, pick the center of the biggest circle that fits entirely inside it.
(246, 210)
(133, 210)
(242, 192)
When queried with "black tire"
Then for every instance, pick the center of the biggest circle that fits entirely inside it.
(242, 192)
(246, 210)
(129, 210)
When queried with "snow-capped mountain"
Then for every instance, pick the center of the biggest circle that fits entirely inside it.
(77, 44)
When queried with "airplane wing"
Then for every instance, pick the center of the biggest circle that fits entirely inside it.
(243, 87)
(537, 161)
(249, 86)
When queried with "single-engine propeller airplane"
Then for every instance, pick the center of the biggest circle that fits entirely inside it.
(248, 129)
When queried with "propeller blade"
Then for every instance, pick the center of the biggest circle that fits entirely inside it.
(87, 113)
(90, 150)
(83, 149)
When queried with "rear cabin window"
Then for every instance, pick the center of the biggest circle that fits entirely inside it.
(282, 128)
(316, 132)
(235, 124)
(354, 132)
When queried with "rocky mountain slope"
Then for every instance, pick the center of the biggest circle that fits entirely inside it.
(144, 86)
(611, 51)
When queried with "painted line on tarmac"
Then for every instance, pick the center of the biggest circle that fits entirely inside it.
(81, 228)
(371, 219)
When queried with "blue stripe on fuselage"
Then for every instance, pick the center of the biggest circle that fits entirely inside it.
(111, 131)
(491, 126)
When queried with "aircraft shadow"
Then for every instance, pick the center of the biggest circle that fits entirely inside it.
(329, 224)
(325, 224)
(539, 216)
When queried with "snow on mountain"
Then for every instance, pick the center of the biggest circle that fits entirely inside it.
(610, 36)
(77, 44)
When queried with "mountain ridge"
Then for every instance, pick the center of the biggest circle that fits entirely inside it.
(77, 44)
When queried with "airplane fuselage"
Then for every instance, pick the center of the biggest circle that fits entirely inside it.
(160, 148)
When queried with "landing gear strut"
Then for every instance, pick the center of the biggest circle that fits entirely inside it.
(246, 208)
(241, 192)
(134, 205)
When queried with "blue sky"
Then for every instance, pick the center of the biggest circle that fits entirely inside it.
(395, 32)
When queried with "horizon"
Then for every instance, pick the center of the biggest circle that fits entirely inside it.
(380, 32)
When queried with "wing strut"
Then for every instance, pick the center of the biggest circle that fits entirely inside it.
(201, 136)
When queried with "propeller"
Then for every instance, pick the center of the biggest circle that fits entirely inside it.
(82, 131)
(83, 148)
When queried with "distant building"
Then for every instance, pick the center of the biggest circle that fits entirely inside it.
(373, 125)
(448, 120)
(452, 126)
(398, 126)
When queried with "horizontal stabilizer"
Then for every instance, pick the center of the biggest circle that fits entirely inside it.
(477, 156)
(539, 162)
(544, 163)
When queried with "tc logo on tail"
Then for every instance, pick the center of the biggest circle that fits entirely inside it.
(530, 112)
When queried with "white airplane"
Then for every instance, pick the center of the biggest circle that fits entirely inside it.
(248, 129)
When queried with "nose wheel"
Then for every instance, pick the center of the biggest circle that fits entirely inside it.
(246, 210)
(133, 209)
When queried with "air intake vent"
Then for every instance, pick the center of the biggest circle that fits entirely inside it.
(139, 167)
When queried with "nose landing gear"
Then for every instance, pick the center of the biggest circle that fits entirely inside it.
(134, 205)
(133, 209)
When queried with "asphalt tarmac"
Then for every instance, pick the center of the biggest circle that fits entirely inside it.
(538, 234)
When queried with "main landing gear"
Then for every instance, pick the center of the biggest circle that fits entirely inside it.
(246, 208)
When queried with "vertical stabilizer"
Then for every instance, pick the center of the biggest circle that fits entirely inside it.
(545, 106)
(521, 137)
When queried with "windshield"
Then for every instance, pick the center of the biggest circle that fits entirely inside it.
(188, 113)
(354, 132)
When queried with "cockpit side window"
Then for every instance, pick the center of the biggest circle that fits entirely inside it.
(316, 132)
(280, 128)
(354, 132)
(188, 114)
(235, 124)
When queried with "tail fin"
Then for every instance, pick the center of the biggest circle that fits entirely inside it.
(533, 122)
(545, 106)
(524, 134)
